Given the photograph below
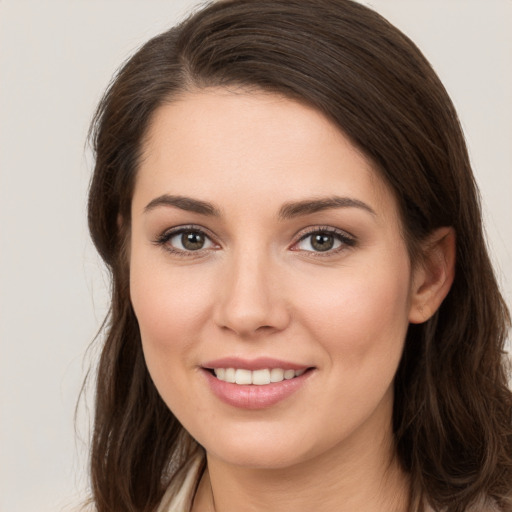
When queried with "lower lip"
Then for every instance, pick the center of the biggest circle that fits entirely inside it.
(253, 396)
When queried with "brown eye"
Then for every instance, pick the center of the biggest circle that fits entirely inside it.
(186, 240)
(322, 242)
(192, 240)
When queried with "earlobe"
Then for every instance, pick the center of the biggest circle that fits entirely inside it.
(433, 277)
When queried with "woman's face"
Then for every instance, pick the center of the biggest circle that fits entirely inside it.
(263, 247)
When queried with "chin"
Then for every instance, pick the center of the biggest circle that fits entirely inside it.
(262, 448)
(262, 457)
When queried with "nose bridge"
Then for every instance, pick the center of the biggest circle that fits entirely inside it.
(251, 299)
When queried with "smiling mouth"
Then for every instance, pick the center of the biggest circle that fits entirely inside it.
(255, 377)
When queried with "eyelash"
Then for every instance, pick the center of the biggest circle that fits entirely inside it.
(346, 240)
(163, 240)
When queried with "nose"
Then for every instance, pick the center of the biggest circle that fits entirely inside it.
(251, 299)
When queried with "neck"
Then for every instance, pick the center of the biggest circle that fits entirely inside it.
(345, 479)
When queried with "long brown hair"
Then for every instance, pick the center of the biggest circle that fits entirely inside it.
(453, 409)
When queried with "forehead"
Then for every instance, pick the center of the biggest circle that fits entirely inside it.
(221, 144)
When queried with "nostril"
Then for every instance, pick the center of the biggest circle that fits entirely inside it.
(265, 328)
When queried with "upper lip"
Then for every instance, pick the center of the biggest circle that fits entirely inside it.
(253, 364)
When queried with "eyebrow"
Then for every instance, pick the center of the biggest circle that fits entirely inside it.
(289, 210)
(184, 203)
(314, 205)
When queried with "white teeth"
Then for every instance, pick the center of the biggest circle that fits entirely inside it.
(221, 373)
(243, 376)
(276, 375)
(230, 375)
(261, 377)
(256, 377)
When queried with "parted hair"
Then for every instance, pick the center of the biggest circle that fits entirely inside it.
(453, 408)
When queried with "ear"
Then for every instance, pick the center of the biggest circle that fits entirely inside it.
(433, 275)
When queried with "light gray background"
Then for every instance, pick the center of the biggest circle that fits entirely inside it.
(56, 58)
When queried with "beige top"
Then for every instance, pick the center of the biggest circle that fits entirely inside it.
(180, 494)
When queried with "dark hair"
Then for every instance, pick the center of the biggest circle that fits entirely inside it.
(453, 409)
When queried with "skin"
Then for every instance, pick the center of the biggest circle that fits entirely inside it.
(259, 288)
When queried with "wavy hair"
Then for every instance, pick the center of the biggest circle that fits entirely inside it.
(453, 409)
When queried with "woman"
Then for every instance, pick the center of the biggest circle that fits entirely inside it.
(304, 316)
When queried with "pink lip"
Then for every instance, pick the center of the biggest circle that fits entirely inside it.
(253, 364)
(251, 396)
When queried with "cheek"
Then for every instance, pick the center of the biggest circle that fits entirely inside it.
(171, 305)
(360, 320)
(360, 314)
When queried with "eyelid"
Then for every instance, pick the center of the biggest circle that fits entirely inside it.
(346, 238)
(163, 239)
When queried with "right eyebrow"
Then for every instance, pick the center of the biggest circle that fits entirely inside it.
(183, 203)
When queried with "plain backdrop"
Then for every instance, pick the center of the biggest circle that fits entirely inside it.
(56, 58)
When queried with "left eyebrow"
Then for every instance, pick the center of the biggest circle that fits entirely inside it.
(314, 205)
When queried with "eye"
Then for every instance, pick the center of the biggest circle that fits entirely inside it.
(324, 241)
(185, 240)
(190, 241)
